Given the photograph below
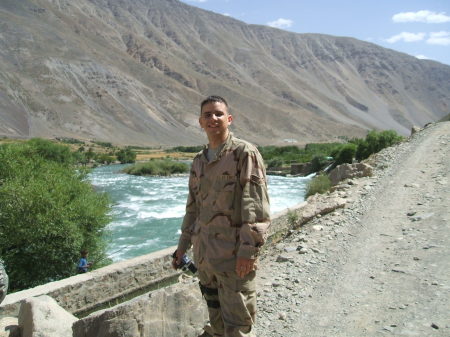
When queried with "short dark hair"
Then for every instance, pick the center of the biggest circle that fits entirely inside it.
(213, 99)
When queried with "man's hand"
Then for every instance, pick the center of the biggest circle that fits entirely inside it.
(244, 266)
(177, 260)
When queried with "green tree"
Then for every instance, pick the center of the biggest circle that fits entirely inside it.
(346, 154)
(126, 156)
(50, 151)
(375, 142)
(90, 154)
(362, 150)
(104, 158)
(48, 213)
(318, 163)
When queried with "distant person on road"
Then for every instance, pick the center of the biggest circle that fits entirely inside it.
(226, 220)
(83, 264)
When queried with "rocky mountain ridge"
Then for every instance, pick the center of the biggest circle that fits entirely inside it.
(134, 72)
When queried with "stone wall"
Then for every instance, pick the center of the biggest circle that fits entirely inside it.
(124, 280)
(87, 292)
(302, 169)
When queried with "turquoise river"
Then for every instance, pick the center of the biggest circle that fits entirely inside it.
(147, 211)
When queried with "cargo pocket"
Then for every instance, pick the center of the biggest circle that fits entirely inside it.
(222, 240)
(224, 187)
(239, 298)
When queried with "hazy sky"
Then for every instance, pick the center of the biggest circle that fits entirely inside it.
(420, 28)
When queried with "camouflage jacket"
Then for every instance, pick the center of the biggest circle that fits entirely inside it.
(227, 211)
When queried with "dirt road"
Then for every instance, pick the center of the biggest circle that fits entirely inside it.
(380, 266)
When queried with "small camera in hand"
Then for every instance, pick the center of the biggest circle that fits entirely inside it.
(186, 263)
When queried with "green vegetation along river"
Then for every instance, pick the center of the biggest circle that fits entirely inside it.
(147, 211)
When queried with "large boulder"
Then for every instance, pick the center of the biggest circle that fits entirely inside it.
(350, 171)
(415, 129)
(43, 317)
(176, 310)
(321, 204)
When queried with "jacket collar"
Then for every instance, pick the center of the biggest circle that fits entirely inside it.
(222, 148)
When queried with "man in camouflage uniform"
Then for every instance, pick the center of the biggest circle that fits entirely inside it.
(227, 217)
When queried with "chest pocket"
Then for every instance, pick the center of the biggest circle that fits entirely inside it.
(224, 188)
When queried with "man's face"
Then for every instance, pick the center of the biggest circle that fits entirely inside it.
(215, 119)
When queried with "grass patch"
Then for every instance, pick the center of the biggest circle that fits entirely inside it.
(292, 218)
(319, 184)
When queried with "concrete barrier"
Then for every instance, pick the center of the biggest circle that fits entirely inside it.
(87, 292)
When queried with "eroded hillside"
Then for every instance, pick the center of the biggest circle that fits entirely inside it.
(133, 72)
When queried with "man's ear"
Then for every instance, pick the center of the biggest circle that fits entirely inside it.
(230, 119)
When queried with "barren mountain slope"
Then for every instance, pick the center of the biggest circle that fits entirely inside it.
(133, 72)
(378, 267)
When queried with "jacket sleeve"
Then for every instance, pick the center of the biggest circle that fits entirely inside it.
(187, 226)
(254, 204)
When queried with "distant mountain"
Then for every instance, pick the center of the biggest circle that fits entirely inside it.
(135, 71)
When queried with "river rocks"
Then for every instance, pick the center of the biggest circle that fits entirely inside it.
(350, 171)
(302, 250)
(42, 316)
(284, 258)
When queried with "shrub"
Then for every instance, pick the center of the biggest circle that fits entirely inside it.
(157, 167)
(48, 213)
(346, 154)
(103, 144)
(126, 156)
(318, 163)
(319, 184)
(292, 153)
(70, 140)
(375, 142)
(274, 163)
(293, 218)
(104, 158)
(49, 151)
(362, 150)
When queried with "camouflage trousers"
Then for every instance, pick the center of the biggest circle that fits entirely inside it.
(231, 302)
